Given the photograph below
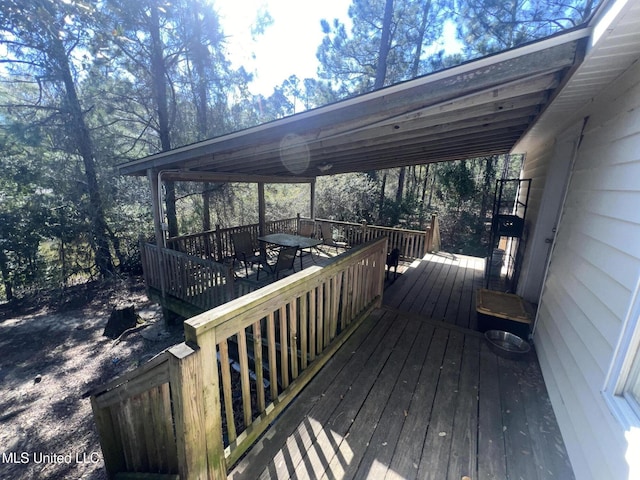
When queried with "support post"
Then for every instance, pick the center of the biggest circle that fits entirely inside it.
(262, 209)
(157, 227)
(312, 203)
(156, 207)
(262, 222)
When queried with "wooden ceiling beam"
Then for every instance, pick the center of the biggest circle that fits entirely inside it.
(222, 177)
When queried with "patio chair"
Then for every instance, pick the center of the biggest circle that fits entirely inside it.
(285, 261)
(329, 240)
(307, 228)
(244, 251)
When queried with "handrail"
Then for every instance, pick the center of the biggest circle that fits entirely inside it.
(287, 331)
(412, 244)
(366, 225)
(216, 244)
(301, 318)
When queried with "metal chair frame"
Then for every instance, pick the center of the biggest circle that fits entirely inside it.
(286, 261)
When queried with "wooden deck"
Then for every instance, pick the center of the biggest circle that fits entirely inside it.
(441, 287)
(415, 393)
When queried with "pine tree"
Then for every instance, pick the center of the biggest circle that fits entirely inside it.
(41, 37)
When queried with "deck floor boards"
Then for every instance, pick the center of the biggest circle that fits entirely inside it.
(413, 397)
(441, 287)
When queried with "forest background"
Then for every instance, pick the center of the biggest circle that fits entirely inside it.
(85, 86)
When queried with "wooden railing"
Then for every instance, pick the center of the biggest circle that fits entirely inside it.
(413, 244)
(200, 282)
(217, 245)
(135, 422)
(282, 334)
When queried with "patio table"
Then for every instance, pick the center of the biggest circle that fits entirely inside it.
(289, 240)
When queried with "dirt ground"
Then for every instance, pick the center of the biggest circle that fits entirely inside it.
(52, 352)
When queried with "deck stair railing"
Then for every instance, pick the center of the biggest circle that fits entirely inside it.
(173, 414)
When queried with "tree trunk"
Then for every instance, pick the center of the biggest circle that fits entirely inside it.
(433, 183)
(159, 75)
(400, 191)
(413, 190)
(385, 45)
(84, 144)
(424, 183)
(381, 200)
(206, 208)
(6, 277)
(415, 68)
(488, 176)
(423, 195)
(198, 55)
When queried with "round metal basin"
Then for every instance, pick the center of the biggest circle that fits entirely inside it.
(507, 344)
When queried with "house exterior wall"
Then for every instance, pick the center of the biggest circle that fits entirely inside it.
(548, 168)
(535, 167)
(591, 280)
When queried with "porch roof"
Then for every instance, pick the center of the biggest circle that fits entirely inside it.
(482, 107)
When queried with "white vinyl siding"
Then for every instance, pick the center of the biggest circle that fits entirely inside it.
(535, 167)
(591, 280)
(547, 166)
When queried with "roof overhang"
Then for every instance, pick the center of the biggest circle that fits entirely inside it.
(613, 47)
(479, 108)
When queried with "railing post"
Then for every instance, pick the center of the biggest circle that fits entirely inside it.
(144, 264)
(212, 419)
(207, 246)
(198, 426)
(364, 231)
(434, 234)
(230, 282)
(218, 242)
(381, 263)
(427, 239)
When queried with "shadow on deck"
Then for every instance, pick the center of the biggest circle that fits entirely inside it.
(416, 393)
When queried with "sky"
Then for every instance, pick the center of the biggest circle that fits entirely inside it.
(287, 47)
